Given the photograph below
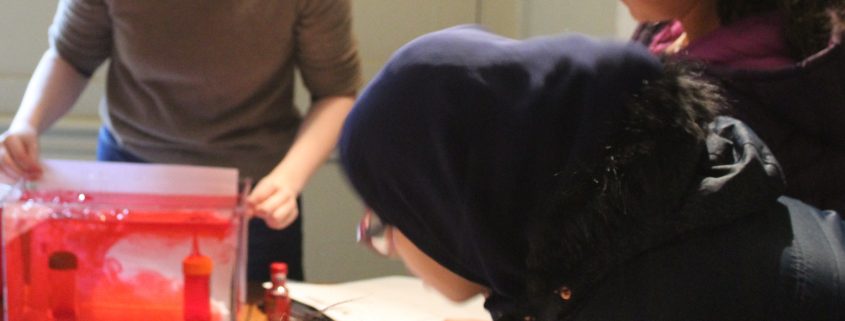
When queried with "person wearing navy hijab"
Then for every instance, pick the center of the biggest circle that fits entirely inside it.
(570, 178)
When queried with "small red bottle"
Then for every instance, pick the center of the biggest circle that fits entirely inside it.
(276, 296)
(197, 297)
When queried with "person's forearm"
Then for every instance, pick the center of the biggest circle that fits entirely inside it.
(52, 91)
(315, 140)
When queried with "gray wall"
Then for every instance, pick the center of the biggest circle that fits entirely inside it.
(382, 26)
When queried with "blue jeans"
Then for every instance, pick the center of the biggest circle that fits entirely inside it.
(265, 246)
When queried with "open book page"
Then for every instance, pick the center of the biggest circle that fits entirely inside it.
(392, 298)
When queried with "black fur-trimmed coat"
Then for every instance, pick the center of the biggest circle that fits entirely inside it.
(733, 250)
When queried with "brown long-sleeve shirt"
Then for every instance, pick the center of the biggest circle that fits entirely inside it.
(209, 82)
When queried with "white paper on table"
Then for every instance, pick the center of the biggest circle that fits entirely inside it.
(392, 298)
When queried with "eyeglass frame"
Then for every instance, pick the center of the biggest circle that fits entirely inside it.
(374, 234)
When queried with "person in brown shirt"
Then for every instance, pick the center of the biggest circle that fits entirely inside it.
(203, 83)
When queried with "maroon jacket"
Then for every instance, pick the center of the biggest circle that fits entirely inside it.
(798, 110)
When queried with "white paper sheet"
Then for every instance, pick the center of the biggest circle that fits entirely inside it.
(117, 177)
(392, 298)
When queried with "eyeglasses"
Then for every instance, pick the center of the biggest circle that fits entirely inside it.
(374, 234)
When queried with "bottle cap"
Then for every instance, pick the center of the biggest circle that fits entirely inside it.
(62, 260)
(278, 267)
(197, 265)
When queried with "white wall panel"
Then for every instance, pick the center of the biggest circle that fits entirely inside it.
(625, 24)
(23, 40)
(23, 34)
(543, 17)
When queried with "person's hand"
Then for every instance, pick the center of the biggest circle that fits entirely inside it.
(19, 154)
(274, 200)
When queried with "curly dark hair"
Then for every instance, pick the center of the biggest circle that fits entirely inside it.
(809, 23)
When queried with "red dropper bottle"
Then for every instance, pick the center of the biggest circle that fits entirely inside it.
(197, 270)
(62, 278)
(276, 296)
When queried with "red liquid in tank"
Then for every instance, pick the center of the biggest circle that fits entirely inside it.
(105, 290)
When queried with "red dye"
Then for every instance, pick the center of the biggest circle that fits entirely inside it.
(115, 279)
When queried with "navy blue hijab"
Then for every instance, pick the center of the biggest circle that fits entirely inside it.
(459, 139)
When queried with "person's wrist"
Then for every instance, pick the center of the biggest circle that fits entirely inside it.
(284, 178)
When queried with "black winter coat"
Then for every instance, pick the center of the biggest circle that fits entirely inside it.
(799, 112)
(763, 257)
